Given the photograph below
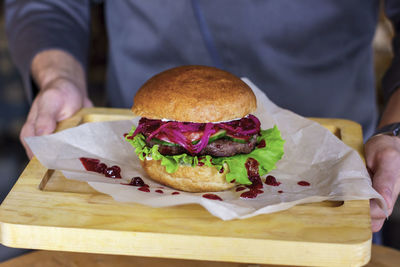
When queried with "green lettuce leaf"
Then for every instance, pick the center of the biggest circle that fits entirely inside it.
(266, 156)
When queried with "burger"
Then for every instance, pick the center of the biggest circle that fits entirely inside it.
(196, 131)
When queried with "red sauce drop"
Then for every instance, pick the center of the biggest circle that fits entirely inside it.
(137, 181)
(233, 181)
(261, 144)
(200, 163)
(159, 191)
(113, 172)
(101, 168)
(221, 170)
(125, 134)
(270, 180)
(90, 164)
(144, 189)
(280, 191)
(212, 196)
(240, 188)
(94, 165)
(251, 193)
(255, 179)
(303, 183)
(175, 193)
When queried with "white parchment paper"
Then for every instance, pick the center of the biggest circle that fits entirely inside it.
(312, 154)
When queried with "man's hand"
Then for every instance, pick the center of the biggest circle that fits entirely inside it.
(62, 92)
(383, 161)
(58, 101)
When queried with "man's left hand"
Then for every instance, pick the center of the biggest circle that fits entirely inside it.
(382, 154)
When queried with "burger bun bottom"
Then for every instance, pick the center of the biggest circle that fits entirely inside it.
(188, 178)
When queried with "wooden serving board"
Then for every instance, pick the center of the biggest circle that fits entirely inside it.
(44, 210)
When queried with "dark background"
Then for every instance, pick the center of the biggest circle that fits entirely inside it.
(14, 105)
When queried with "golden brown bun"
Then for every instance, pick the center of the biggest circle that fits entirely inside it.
(187, 178)
(194, 94)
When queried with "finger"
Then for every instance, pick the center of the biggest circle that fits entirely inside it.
(28, 129)
(378, 216)
(386, 179)
(376, 225)
(376, 210)
(48, 110)
(87, 103)
(32, 112)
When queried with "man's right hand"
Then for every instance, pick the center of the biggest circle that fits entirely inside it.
(62, 92)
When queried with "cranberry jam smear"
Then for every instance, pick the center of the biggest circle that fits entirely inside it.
(261, 144)
(137, 181)
(253, 193)
(240, 188)
(271, 180)
(94, 165)
(303, 183)
(212, 197)
(254, 177)
(144, 189)
(90, 164)
(113, 172)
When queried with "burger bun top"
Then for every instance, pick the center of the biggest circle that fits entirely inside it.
(194, 94)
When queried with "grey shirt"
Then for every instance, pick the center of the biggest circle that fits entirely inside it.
(311, 56)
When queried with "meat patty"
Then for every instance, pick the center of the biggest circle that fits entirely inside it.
(218, 148)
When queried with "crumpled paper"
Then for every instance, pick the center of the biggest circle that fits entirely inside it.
(312, 154)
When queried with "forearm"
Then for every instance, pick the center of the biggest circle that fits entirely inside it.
(51, 65)
(391, 113)
(35, 26)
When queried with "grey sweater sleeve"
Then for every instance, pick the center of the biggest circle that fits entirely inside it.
(391, 80)
(36, 25)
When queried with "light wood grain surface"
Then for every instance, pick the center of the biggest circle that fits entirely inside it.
(44, 210)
